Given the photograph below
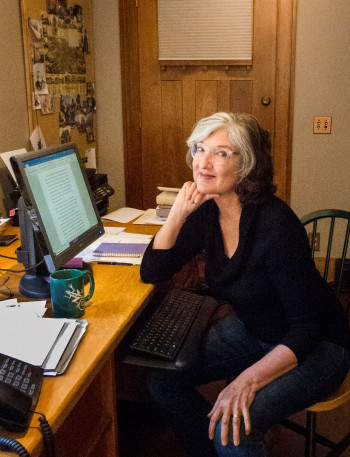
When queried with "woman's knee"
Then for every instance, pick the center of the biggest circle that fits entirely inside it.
(255, 435)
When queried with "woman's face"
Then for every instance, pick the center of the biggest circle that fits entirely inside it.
(212, 177)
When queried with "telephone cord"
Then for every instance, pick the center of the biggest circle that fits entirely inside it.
(47, 435)
(10, 445)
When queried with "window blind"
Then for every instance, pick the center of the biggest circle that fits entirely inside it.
(205, 29)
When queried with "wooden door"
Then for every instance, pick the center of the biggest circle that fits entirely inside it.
(161, 103)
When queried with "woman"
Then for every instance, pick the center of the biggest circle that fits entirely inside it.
(286, 346)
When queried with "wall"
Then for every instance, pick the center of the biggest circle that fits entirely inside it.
(108, 96)
(321, 163)
(14, 132)
(320, 166)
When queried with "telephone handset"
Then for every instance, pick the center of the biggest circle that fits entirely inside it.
(20, 385)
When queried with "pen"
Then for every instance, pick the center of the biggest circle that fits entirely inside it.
(114, 263)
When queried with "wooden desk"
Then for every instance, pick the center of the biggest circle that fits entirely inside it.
(80, 405)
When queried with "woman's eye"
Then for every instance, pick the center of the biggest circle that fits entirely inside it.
(199, 149)
(222, 153)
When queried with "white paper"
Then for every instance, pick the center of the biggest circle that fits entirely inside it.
(61, 344)
(34, 308)
(90, 155)
(113, 230)
(126, 237)
(6, 158)
(3, 220)
(149, 217)
(123, 215)
(9, 303)
(71, 348)
(36, 27)
(37, 139)
(27, 338)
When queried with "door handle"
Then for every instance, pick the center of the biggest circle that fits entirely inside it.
(265, 101)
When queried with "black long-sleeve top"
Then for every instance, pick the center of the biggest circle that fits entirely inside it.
(271, 280)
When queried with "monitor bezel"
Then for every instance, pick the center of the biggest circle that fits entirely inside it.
(54, 261)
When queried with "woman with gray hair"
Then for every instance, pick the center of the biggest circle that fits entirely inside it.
(286, 346)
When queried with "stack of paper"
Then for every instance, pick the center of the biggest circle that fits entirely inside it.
(89, 254)
(123, 215)
(45, 342)
(150, 217)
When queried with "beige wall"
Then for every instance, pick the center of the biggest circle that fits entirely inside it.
(320, 173)
(109, 98)
(14, 133)
(321, 163)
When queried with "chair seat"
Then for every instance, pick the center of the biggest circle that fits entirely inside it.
(341, 396)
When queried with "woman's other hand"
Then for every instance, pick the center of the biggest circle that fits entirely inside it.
(236, 398)
(234, 401)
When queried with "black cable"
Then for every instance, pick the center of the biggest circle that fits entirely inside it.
(7, 257)
(10, 445)
(25, 269)
(47, 435)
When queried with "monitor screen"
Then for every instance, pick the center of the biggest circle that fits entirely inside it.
(58, 202)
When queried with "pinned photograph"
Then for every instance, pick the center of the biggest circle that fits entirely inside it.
(40, 86)
(46, 102)
(35, 101)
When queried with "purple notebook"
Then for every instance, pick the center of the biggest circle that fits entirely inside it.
(121, 249)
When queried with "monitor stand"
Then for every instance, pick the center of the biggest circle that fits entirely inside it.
(34, 286)
(34, 283)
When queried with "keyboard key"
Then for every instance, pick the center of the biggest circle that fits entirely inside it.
(166, 328)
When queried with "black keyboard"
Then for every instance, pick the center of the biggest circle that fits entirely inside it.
(163, 333)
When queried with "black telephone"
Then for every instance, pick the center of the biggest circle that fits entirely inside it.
(20, 385)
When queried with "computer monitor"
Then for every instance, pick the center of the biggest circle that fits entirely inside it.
(57, 214)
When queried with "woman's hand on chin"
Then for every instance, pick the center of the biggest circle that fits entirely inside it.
(188, 200)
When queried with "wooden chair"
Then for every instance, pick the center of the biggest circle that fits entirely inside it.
(342, 395)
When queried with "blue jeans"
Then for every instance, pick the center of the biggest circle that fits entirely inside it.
(228, 349)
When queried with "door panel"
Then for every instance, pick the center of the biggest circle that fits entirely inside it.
(241, 96)
(173, 98)
(173, 168)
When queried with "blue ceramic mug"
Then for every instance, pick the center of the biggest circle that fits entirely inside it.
(67, 292)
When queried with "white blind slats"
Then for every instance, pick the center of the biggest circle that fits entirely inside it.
(205, 29)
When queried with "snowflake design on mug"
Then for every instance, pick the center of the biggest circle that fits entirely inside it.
(77, 297)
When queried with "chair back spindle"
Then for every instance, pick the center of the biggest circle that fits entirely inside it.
(332, 215)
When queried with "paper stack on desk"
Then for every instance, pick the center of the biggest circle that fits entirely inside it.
(46, 342)
(89, 254)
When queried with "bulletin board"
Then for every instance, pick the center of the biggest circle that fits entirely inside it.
(59, 65)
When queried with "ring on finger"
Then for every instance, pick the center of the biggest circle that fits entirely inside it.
(235, 416)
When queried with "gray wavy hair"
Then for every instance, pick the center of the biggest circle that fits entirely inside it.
(255, 176)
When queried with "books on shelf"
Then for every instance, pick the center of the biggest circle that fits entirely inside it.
(120, 249)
